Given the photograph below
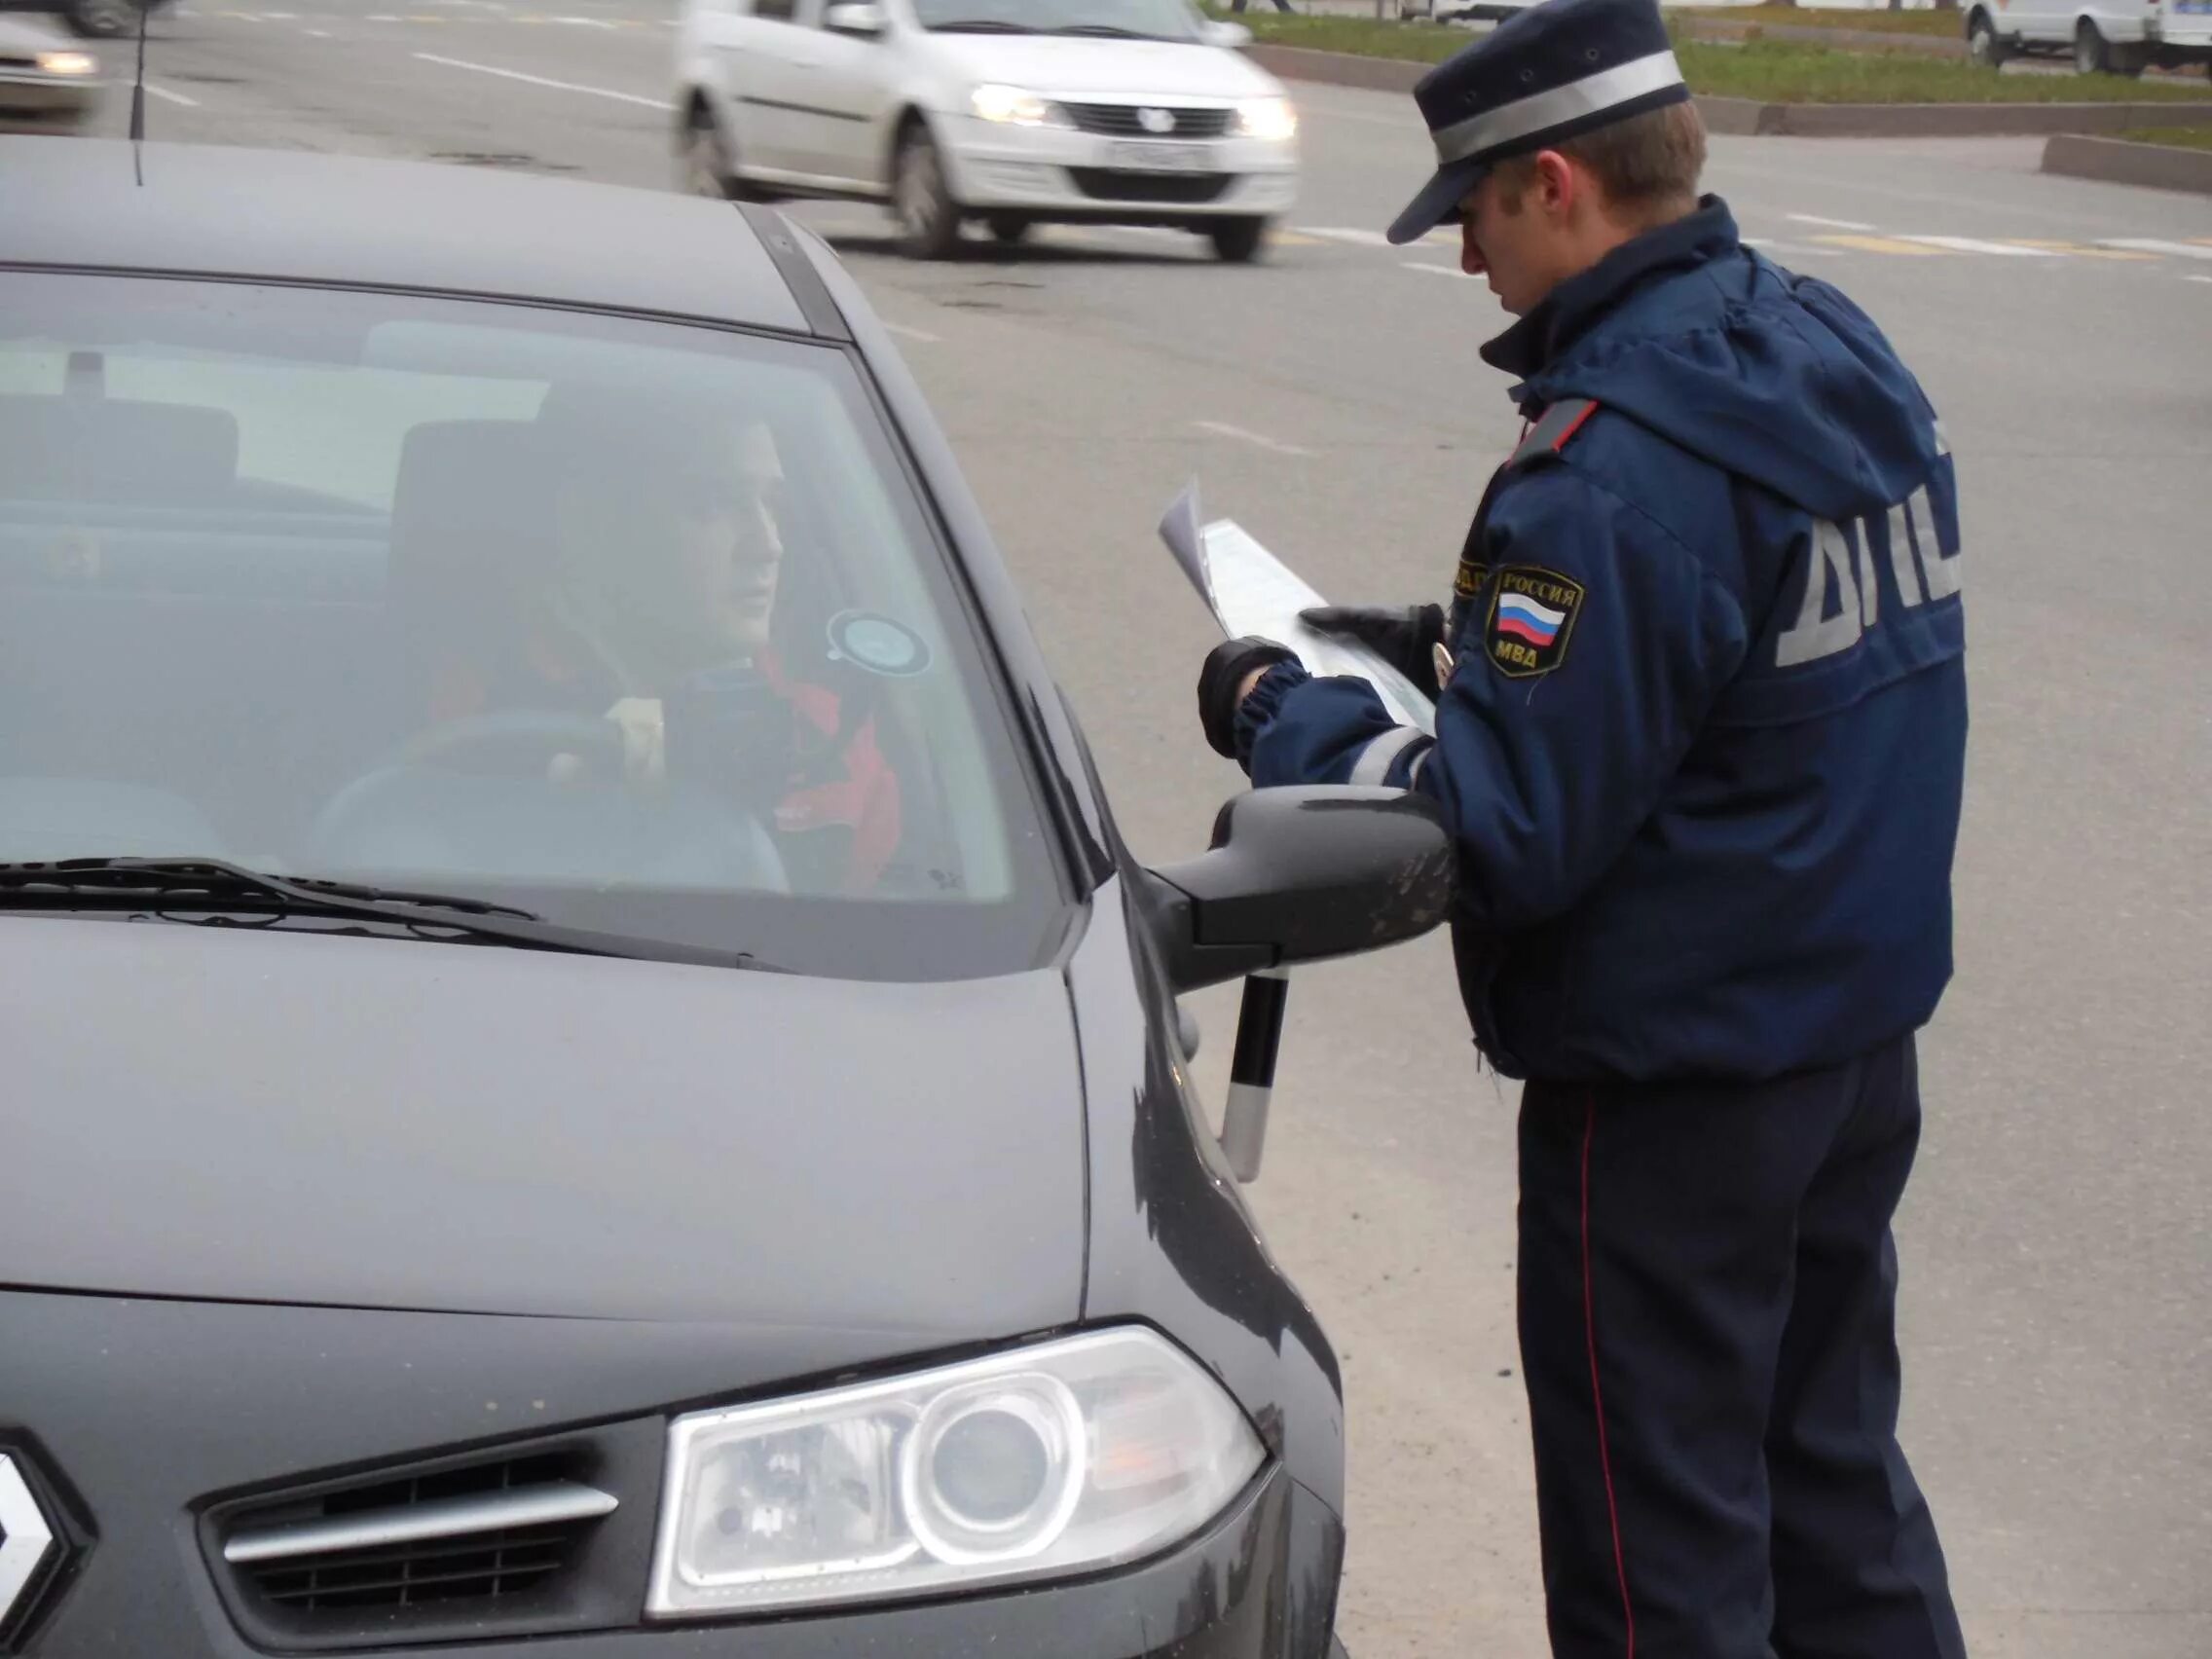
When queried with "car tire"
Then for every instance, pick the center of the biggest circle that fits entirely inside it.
(1239, 241)
(1984, 46)
(2092, 55)
(1009, 228)
(104, 19)
(929, 219)
(704, 164)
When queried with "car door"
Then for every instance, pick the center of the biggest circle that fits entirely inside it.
(851, 82)
(755, 47)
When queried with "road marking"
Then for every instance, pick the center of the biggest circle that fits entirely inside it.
(1883, 245)
(543, 81)
(2201, 279)
(172, 97)
(1291, 239)
(921, 334)
(1831, 224)
(318, 34)
(1222, 429)
(1338, 233)
(2078, 250)
(586, 22)
(2149, 244)
(1970, 244)
(1433, 270)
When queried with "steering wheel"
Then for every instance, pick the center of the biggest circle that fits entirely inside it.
(510, 743)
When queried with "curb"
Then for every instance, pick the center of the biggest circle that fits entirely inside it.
(2160, 166)
(1742, 118)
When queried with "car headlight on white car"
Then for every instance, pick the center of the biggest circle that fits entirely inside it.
(68, 63)
(1275, 118)
(1043, 1461)
(1016, 106)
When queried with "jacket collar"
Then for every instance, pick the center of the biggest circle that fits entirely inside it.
(1571, 309)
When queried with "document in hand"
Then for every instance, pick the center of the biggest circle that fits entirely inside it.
(1250, 591)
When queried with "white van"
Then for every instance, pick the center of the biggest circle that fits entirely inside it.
(2118, 37)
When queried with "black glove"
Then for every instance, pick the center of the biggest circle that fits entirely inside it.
(1227, 666)
(1406, 637)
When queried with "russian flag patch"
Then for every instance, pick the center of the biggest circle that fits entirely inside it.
(1532, 619)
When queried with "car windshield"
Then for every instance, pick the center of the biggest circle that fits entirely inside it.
(1152, 19)
(639, 626)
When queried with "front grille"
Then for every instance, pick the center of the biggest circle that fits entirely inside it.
(1124, 121)
(1102, 184)
(479, 1533)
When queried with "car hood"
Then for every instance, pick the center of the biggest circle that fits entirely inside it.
(307, 1118)
(1088, 66)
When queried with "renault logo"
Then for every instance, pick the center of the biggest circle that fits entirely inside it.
(1156, 121)
(26, 1540)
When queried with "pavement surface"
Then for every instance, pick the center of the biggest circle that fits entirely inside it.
(2056, 1249)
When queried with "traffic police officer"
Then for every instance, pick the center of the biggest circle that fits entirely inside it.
(1700, 737)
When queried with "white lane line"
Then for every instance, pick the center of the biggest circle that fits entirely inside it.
(1222, 429)
(2201, 279)
(585, 22)
(921, 334)
(172, 97)
(2149, 244)
(1342, 234)
(1434, 270)
(318, 34)
(541, 81)
(1831, 224)
(1973, 244)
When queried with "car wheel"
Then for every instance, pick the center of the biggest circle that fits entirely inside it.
(104, 19)
(704, 166)
(1237, 240)
(929, 219)
(1010, 228)
(2091, 55)
(1983, 44)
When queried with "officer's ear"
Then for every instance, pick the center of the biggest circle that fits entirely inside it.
(1556, 187)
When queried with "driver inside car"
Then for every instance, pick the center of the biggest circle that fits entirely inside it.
(653, 608)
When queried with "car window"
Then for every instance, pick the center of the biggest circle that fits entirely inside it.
(640, 626)
(1158, 20)
(775, 10)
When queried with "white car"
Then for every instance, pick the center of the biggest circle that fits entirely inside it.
(1008, 111)
(2113, 37)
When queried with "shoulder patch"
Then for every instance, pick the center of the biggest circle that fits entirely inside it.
(1531, 620)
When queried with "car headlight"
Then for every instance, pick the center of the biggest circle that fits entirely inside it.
(1061, 1459)
(67, 63)
(1267, 118)
(1016, 107)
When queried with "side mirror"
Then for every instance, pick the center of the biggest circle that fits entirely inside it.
(856, 17)
(1230, 35)
(1298, 875)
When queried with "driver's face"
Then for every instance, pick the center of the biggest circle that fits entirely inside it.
(688, 543)
(725, 554)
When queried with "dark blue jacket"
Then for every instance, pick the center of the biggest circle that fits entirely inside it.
(1703, 738)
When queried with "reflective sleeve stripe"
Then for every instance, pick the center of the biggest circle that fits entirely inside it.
(1412, 772)
(1374, 764)
(1558, 423)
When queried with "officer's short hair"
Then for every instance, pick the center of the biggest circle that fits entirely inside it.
(1647, 162)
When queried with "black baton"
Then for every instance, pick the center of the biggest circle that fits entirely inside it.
(1252, 1071)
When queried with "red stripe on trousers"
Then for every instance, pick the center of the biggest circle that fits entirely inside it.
(1596, 1393)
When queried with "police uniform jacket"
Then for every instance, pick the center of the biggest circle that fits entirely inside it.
(1703, 735)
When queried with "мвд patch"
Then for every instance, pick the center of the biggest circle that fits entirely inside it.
(1532, 620)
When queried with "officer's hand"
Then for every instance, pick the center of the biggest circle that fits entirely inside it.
(1409, 636)
(1223, 683)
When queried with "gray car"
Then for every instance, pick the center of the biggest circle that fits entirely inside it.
(583, 1070)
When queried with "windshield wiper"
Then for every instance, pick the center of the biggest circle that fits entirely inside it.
(213, 887)
(1113, 30)
(981, 25)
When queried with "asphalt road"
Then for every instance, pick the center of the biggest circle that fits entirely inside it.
(2056, 1248)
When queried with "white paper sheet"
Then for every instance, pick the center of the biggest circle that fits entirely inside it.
(1250, 591)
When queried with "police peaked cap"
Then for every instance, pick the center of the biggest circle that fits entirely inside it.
(1541, 77)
